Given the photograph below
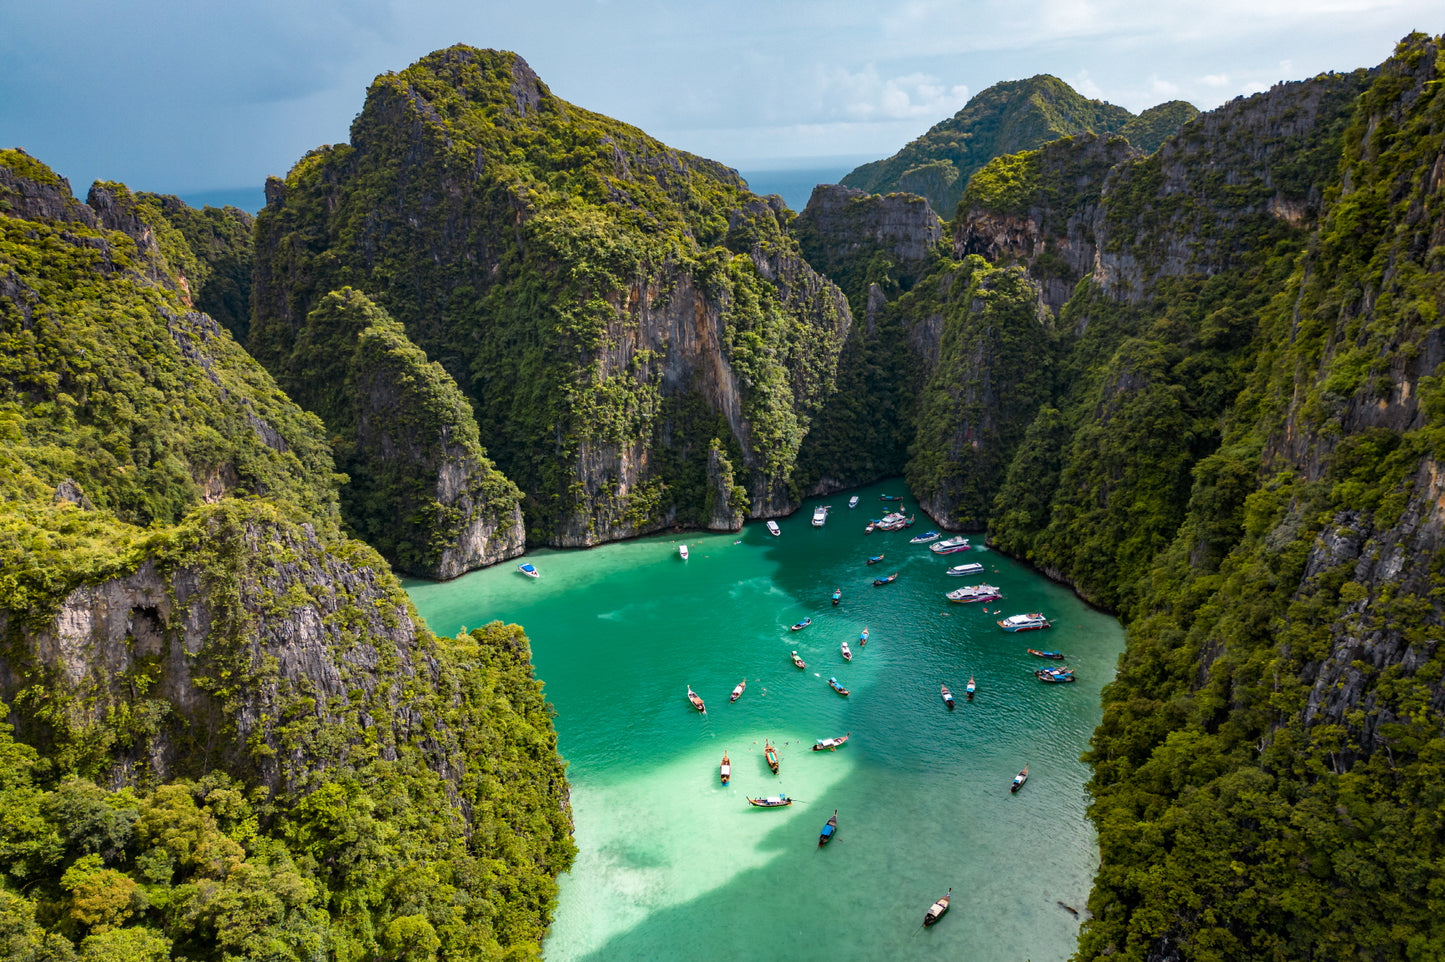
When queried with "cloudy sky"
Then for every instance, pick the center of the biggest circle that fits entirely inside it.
(189, 95)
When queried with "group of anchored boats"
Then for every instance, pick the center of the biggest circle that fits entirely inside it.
(895, 520)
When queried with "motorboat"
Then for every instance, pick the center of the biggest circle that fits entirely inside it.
(847, 652)
(682, 551)
(738, 691)
(972, 568)
(970, 593)
(820, 516)
(529, 569)
(830, 744)
(853, 501)
(773, 529)
(950, 546)
(1032, 621)
(924, 538)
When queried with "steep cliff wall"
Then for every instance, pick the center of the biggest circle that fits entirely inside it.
(1266, 777)
(422, 490)
(610, 306)
(227, 734)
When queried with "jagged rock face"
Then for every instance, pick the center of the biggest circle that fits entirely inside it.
(844, 222)
(1047, 222)
(34, 192)
(221, 670)
(1254, 162)
(609, 312)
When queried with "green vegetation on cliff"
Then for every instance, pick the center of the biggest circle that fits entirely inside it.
(227, 734)
(1006, 118)
(403, 433)
(577, 279)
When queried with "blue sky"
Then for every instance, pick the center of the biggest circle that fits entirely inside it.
(188, 96)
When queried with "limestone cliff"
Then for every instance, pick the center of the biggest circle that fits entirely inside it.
(422, 490)
(196, 662)
(609, 305)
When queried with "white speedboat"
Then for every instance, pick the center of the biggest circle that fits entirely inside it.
(949, 546)
(972, 568)
(820, 515)
(853, 501)
(682, 551)
(773, 529)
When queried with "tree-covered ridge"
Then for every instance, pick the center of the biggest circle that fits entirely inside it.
(422, 490)
(232, 737)
(610, 306)
(1006, 118)
(92, 349)
(380, 858)
(1267, 775)
(221, 238)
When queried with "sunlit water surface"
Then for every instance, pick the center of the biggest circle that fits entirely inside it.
(673, 864)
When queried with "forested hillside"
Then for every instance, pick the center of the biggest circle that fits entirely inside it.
(1006, 118)
(638, 336)
(1233, 346)
(227, 734)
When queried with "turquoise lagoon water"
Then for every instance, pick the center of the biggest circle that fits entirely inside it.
(674, 864)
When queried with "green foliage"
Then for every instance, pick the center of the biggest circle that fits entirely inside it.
(995, 368)
(223, 246)
(1009, 117)
(253, 750)
(566, 273)
(1267, 774)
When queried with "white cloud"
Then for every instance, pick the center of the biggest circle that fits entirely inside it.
(1215, 80)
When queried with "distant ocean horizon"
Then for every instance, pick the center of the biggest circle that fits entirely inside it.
(793, 180)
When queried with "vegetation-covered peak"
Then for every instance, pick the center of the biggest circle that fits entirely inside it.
(1006, 118)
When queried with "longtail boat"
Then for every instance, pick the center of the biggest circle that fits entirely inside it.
(947, 697)
(826, 835)
(696, 699)
(738, 691)
(771, 801)
(771, 754)
(1019, 780)
(725, 770)
(936, 910)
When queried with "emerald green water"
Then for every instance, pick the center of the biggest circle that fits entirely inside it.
(674, 864)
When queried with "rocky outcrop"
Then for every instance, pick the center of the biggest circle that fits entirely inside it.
(30, 190)
(608, 304)
(1042, 209)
